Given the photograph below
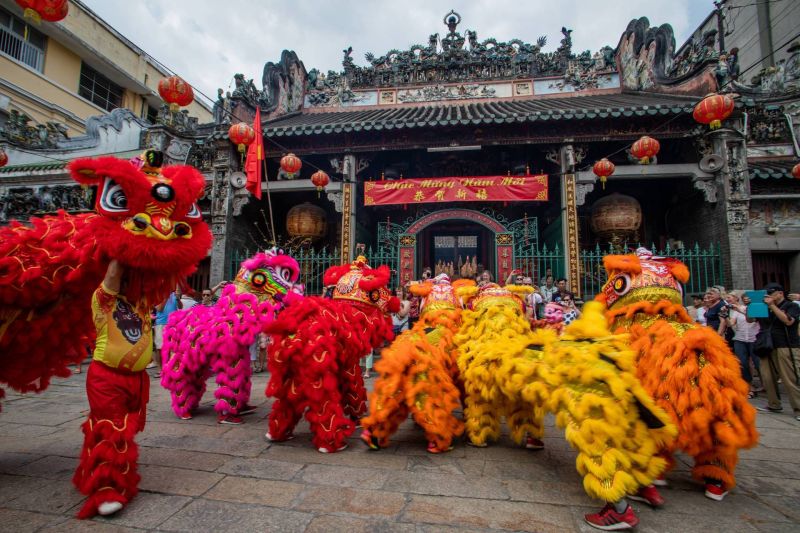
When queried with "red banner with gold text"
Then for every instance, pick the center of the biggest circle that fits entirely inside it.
(456, 189)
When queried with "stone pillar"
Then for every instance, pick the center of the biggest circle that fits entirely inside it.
(734, 186)
(569, 210)
(349, 171)
(221, 211)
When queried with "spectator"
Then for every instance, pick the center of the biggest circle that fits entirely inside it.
(209, 296)
(561, 288)
(716, 311)
(744, 338)
(548, 290)
(783, 363)
(172, 304)
(188, 301)
(697, 304)
(532, 300)
(571, 311)
(400, 318)
(548, 273)
(484, 278)
(515, 277)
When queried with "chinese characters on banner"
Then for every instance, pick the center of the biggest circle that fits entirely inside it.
(456, 189)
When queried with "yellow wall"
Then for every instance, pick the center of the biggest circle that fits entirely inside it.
(81, 24)
(49, 91)
(61, 65)
(58, 84)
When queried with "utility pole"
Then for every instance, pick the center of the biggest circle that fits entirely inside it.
(719, 4)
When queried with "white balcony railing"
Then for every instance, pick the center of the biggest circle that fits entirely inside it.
(15, 46)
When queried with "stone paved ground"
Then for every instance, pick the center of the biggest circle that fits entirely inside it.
(200, 476)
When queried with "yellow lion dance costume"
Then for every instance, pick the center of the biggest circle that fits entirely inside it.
(418, 373)
(688, 369)
(500, 361)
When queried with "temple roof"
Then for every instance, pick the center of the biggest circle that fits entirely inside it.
(475, 113)
(771, 169)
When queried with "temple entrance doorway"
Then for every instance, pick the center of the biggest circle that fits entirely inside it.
(460, 248)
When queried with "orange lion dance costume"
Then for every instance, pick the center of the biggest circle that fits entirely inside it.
(688, 369)
(148, 222)
(316, 347)
(418, 373)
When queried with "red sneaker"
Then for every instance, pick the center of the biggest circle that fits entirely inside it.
(715, 492)
(648, 495)
(369, 440)
(230, 419)
(608, 519)
(532, 443)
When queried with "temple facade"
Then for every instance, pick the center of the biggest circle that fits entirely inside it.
(466, 154)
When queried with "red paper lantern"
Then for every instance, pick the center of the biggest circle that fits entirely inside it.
(603, 169)
(49, 10)
(176, 92)
(320, 179)
(242, 135)
(291, 164)
(3, 158)
(644, 149)
(795, 170)
(713, 109)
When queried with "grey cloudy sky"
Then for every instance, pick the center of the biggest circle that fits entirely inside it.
(208, 41)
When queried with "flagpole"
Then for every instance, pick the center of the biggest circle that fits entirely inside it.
(269, 202)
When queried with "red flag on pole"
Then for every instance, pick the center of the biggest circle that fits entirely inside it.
(255, 158)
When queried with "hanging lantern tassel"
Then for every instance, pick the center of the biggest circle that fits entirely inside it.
(320, 179)
(603, 169)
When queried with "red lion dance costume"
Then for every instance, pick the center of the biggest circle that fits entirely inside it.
(418, 373)
(148, 221)
(315, 351)
(216, 339)
(688, 369)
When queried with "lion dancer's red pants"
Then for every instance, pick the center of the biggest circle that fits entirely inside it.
(107, 469)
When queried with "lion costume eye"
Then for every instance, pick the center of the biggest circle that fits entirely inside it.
(374, 295)
(621, 284)
(258, 280)
(285, 273)
(113, 198)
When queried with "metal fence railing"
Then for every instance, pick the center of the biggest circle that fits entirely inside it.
(534, 261)
(705, 267)
(313, 264)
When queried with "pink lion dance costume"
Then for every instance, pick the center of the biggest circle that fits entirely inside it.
(202, 340)
(317, 344)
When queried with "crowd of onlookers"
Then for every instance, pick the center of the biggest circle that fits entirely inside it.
(772, 361)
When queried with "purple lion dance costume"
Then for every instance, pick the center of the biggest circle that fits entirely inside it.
(202, 340)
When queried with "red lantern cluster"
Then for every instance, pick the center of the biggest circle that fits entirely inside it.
(603, 169)
(3, 158)
(320, 179)
(176, 92)
(49, 10)
(713, 109)
(291, 164)
(795, 171)
(242, 135)
(645, 149)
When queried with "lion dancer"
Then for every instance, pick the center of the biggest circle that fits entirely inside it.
(688, 369)
(418, 373)
(118, 389)
(317, 344)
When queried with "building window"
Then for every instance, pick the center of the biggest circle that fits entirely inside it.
(98, 89)
(21, 42)
(152, 114)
